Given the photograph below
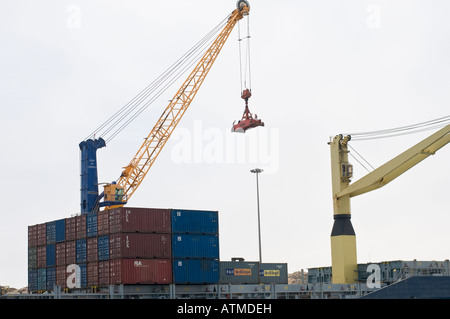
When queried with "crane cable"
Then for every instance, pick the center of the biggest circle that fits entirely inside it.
(247, 73)
(403, 130)
(125, 115)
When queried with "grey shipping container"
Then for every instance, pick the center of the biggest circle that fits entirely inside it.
(239, 272)
(194, 221)
(244, 272)
(32, 257)
(274, 273)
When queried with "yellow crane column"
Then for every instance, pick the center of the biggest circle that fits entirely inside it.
(343, 238)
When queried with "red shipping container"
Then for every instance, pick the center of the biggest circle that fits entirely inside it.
(92, 254)
(140, 271)
(103, 223)
(103, 273)
(61, 276)
(32, 236)
(92, 274)
(41, 234)
(143, 220)
(42, 256)
(139, 245)
(71, 224)
(60, 254)
(81, 226)
(71, 252)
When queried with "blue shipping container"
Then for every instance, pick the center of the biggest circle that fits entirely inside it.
(195, 246)
(195, 271)
(56, 231)
(32, 280)
(194, 221)
(42, 279)
(81, 251)
(50, 253)
(51, 278)
(103, 247)
(83, 269)
(91, 225)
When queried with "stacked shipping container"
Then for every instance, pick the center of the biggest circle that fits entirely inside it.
(124, 246)
(195, 247)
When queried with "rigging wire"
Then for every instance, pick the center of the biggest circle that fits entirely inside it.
(246, 68)
(361, 157)
(403, 130)
(125, 115)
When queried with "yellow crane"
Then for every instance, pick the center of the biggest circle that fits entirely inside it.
(343, 238)
(117, 193)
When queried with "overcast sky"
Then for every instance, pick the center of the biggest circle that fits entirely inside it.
(319, 68)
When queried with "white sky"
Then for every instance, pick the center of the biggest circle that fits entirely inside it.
(319, 68)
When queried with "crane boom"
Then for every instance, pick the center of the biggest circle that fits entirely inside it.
(343, 238)
(134, 173)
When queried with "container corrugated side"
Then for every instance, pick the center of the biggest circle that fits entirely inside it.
(140, 271)
(41, 234)
(195, 246)
(41, 256)
(240, 272)
(139, 245)
(194, 221)
(195, 271)
(71, 228)
(42, 279)
(51, 278)
(56, 231)
(103, 273)
(81, 251)
(91, 224)
(32, 257)
(103, 223)
(136, 219)
(71, 252)
(32, 236)
(274, 273)
(32, 280)
(103, 247)
(50, 255)
(92, 274)
(60, 254)
(91, 249)
(61, 276)
(81, 226)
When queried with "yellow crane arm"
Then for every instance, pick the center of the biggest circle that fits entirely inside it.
(398, 165)
(135, 172)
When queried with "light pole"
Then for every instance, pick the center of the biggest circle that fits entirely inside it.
(257, 171)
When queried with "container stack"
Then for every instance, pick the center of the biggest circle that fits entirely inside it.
(195, 247)
(124, 246)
